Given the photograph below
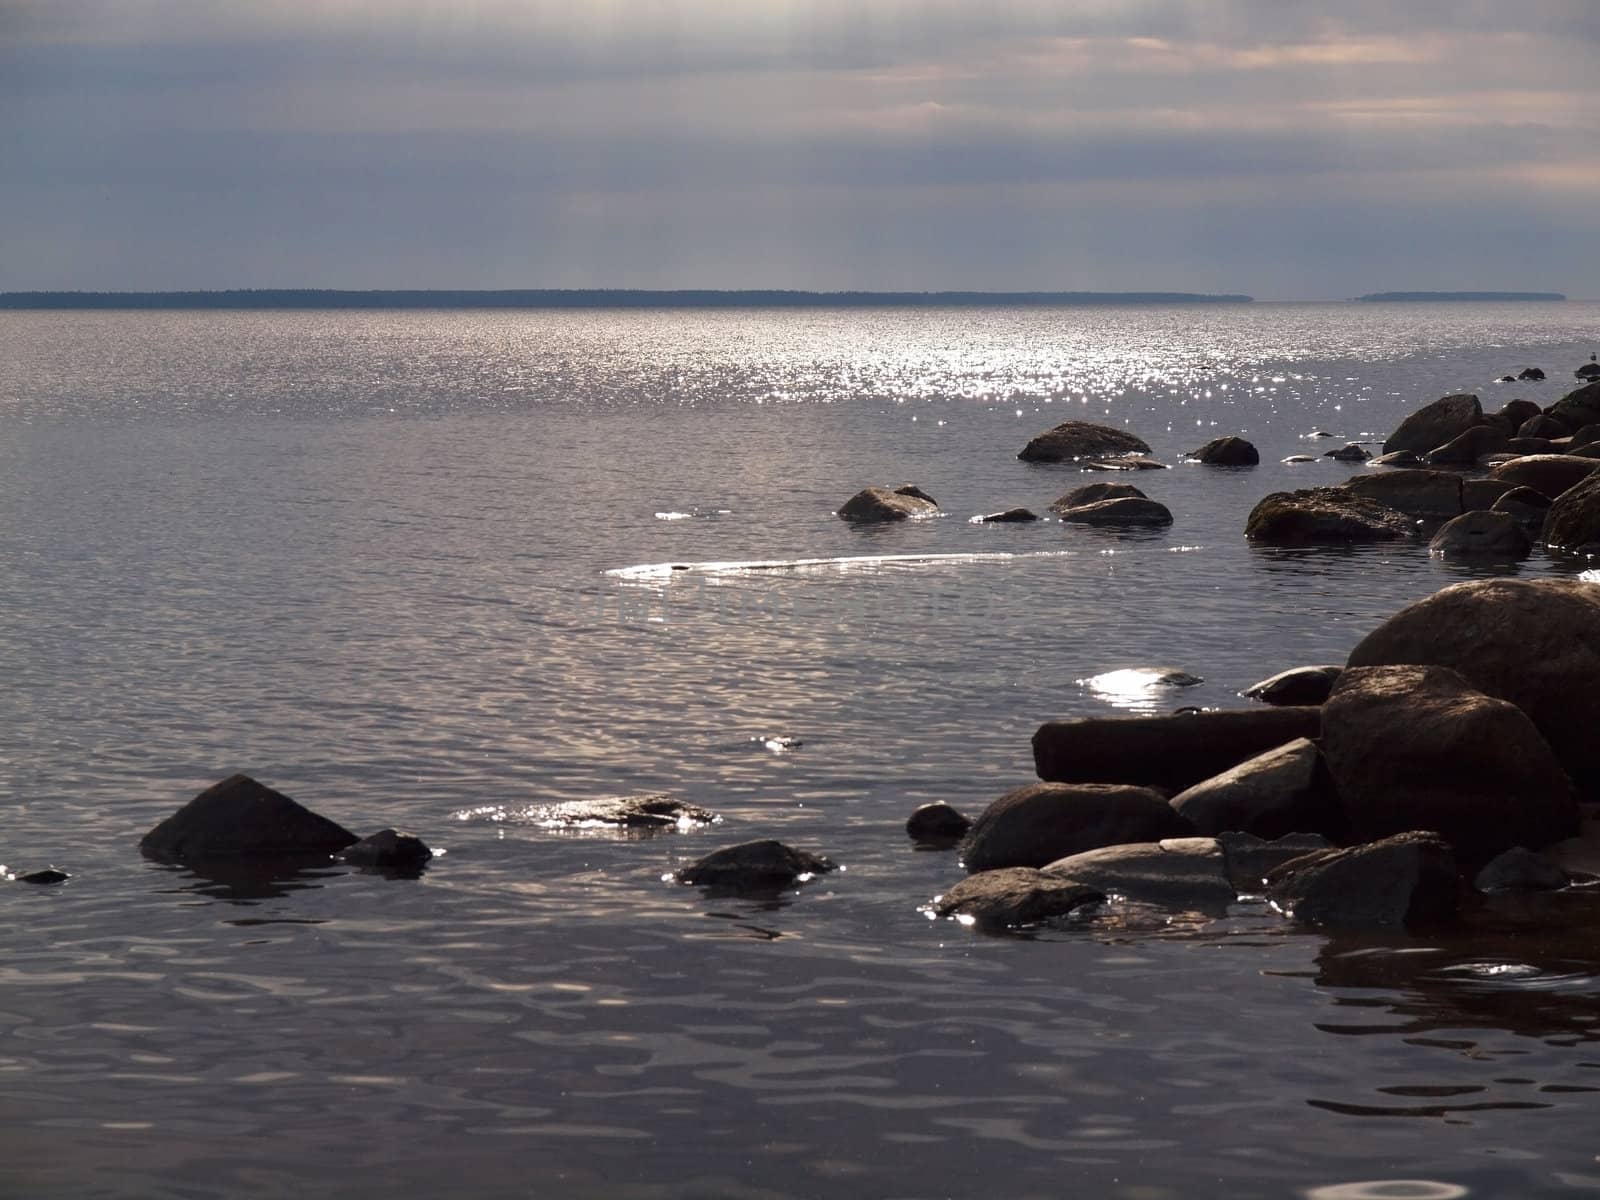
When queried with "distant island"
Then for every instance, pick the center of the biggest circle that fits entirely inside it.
(258, 298)
(1389, 296)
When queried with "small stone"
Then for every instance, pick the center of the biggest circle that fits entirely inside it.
(388, 848)
(1010, 516)
(938, 823)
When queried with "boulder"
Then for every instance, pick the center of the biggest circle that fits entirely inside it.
(1319, 515)
(1400, 458)
(1590, 450)
(1227, 452)
(1435, 424)
(1528, 506)
(1573, 522)
(1482, 493)
(1522, 447)
(1168, 752)
(881, 504)
(1251, 859)
(1521, 870)
(1128, 462)
(1348, 453)
(937, 824)
(1580, 407)
(1082, 439)
(1417, 493)
(1407, 879)
(1541, 426)
(1467, 447)
(1123, 510)
(1551, 474)
(1416, 747)
(1298, 685)
(240, 818)
(1530, 373)
(1093, 493)
(1589, 370)
(1585, 436)
(754, 865)
(1011, 516)
(1483, 535)
(1285, 790)
(1184, 872)
(1535, 643)
(1014, 896)
(1515, 412)
(1041, 822)
(388, 848)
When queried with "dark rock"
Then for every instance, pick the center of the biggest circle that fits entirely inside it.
(754, 865)
(1468, 447)
(1417, 493)
(916, 493)
(1251, 860)
(1412, 747)
(1285, 790)
(1585, 436)
(1589, 370)
(1435, 424)
(1482, 493)
(880, 504)
(1168, 752)
(1182, 873)
(656, 810)
(1551, 474)
(1541, 426)
(1348, 453)
(1041, 822)
(1507, 379)
(1573, 522)
(1093, 493)
(1522, 447)
(1580, 407)
(1082, 439)
(1587, 450)
(1014, 896)
(1328, 514)
(937, 822)
(1407, 879)
(1124, 510)
(388, 848)
(1298, 685)
(1482, 534)
(1521, 870)
(1227, 452)
(1400, 458)
(43, 876)
(240, 818)
(1535, 643)
(1011, 516)
(1530, 373)
(1528, 506)
(1515, 412)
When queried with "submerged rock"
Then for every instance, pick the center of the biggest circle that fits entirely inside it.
(1348, 453)
(1407, 879)
(1082, 439)
(1183, 872)
(1227, 452)
(240, 818)
(1521, 870)
(1014, 896)
(1298, 685)
(1319, 515)
(1533, 374)
(937, 823)
(1010, 516)
(44, 876)
(755, 865)
(1484, 535)
(388, 848)
(881, 504)
(1033, 825)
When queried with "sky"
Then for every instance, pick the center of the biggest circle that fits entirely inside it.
(1282, 149)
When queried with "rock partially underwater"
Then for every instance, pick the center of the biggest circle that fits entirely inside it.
(240, 818)
(754, 866)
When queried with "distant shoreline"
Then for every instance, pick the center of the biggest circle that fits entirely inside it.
(1393, 297)
(560, 298)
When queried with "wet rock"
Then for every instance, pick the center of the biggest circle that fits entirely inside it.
(1082, 439)
(1324, 515)
(1180, 873)
(1435, 424)
(1528, 506)
(1348, 453)
(1507, 379)
(881, 504)
(1589, 370)
(1530, 373)
(1468, 447)
(1483, 535)
(1014, 896)
(1251, 859)
(1416, 493)
(1285, 790)
(44, 876)
(1482, 493)
(388, 848)
(1523, 447)
(916, 493)
(1032, 825)
(1578, 408)
(754, 865)
(1541, 426)
(1400, 458)
(1093, 493)
(240, 818)
(655, 810)
(1535, 643)
(1227, 452)
(1011, 516)
(1407, 879)
(1521, 870)
(1413, 747)
(1298, 685)
(1573, 523)
(1168, 752)
(937, 823)
(1124, 510)
(1300, 458)
(1551, 474)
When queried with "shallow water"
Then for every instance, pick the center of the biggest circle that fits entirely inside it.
(393, 564)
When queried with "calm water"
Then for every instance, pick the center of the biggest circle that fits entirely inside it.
(370, 559)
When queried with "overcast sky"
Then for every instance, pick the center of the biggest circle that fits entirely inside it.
(1288, 150)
